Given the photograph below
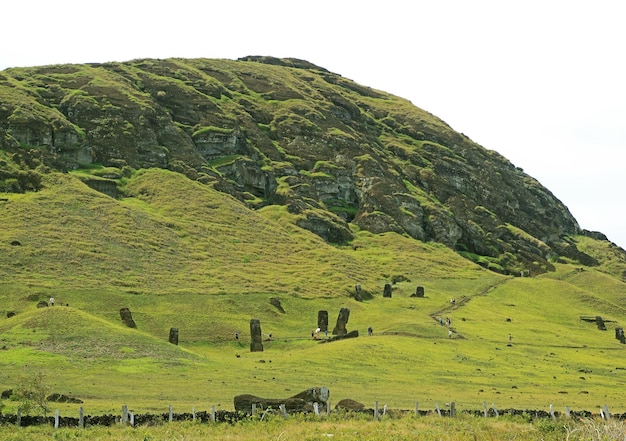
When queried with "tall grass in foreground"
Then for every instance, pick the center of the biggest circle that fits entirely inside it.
(303, 428)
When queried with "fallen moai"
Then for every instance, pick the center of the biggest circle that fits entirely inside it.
(302, 402)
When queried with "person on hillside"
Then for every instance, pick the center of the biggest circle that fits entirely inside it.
(370, 331)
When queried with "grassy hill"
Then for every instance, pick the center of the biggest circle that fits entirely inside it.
(180, 254)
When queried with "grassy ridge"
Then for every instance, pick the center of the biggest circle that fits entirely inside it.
(180, 254)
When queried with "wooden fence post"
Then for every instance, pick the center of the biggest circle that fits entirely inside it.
(56, 419)
(384, 409)
(452, 409)
(124, 414)
(568, 412)
(193, 413)
(212, 414)
(316, 409)
(253, 411)
(132, 418)
(552, 412)
(606, 412)
(493, 405)
(81, 418)
(376, 410)
(485, 409)
(171, 411)
(19, 417)
(283, 410)
(437, 409)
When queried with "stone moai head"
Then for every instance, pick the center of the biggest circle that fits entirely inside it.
(173, 336)
(322, 320)
(387, 290)
(342, 321)
(256, 345)
(358, 293)
(127, 318)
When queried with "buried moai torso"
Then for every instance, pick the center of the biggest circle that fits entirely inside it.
(322, 320)
(256, 345)
(342, 321)
(387, 290)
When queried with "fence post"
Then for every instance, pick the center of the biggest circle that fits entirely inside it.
(124, 414)
(606, 412)
(376, 410)
(212, 414)
(316, 409)
(171, 413)
(452, 409)
(81, 418)
(253, 411)
(56, 419)
(485, 409)
(416, 409)
(193, 413)
(132, 418)
(384, 409)
(552, 412)
(283, 410)
(437, 408)
(493, 405)
(568, 412)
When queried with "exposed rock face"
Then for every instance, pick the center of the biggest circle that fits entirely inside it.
(284, 131)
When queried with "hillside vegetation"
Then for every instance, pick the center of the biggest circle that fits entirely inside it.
(180, 254)
(337, 155)
(201, 194)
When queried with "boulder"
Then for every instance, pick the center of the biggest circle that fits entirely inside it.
(349, 404)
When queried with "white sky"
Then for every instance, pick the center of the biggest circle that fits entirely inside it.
(543, 82)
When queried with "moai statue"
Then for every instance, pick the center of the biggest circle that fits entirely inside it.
(127, 318)
(419, 291)
(342, 321)
(322, 320)
(358, 293)
(387, 290)
(173, 336)
(619, 334)
(256, 344)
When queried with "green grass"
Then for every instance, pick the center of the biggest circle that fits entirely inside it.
(463, 427)
(180, 254)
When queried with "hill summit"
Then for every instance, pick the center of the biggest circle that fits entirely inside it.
(341, 157)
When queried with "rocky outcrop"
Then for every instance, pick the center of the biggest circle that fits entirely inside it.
(284, 131)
